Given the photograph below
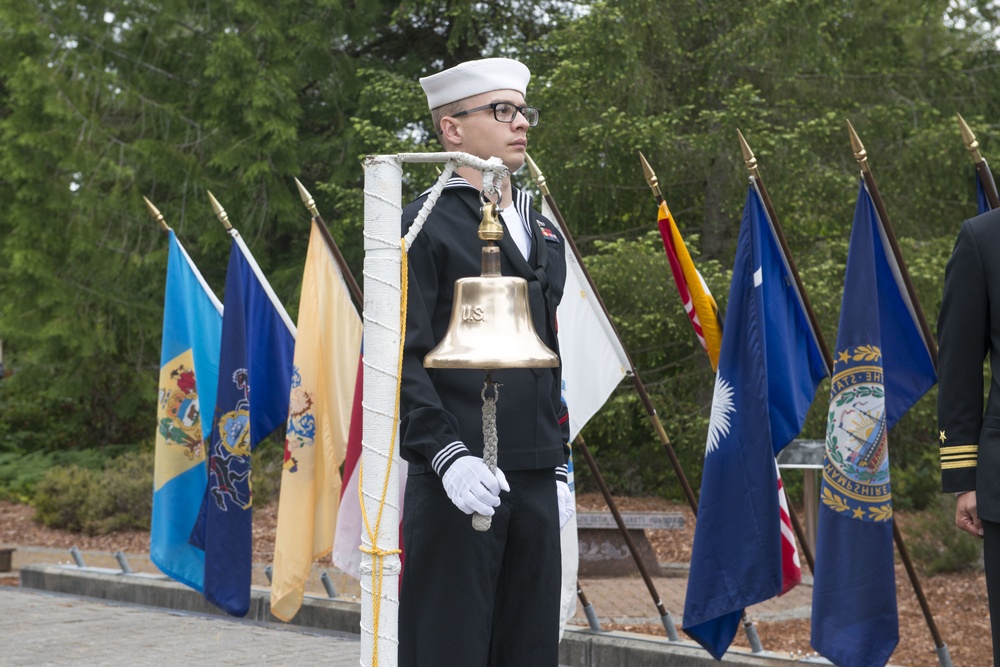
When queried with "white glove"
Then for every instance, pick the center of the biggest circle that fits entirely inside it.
(472, 487)
(567, 503)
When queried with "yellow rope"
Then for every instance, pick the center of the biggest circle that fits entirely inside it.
(378, 554)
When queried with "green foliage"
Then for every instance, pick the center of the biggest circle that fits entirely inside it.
(21, 472)
(170, 99)
(266, 462)
(62, 496)
(937, 545)
(98, 501)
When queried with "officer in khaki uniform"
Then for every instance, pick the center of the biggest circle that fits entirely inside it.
(968, 331)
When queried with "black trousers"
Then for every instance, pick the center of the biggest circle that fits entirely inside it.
(991, 560)
(481, 599)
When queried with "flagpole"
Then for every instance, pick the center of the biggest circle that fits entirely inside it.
(654, 185)
(157, 216)
(345, 271)
(220, 212)
(633, 373)
(982, 168)
(862, 157)
(665, 615)
(751, 163)
(223, 217)
(751, 631)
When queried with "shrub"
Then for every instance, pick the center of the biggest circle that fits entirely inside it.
(937, 545)
(266, 462)
(62, 494)
(21, 471)
(117, 497)
(125, 497)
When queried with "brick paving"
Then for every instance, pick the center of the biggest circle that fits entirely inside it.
(49, 629)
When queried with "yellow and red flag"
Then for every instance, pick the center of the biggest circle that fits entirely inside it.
(325, 369)
(698, 301)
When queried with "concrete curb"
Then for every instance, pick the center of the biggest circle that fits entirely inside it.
(580, 647)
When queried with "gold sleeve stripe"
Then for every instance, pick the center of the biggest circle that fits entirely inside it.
(959, 449)
(951, 465)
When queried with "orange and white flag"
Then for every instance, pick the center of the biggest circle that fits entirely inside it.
(698, 301)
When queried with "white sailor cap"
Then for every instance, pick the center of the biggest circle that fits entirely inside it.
(474, 77)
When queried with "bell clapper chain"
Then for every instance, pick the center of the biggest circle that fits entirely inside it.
(479, 521)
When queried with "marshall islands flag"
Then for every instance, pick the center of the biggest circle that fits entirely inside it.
(189, 371)
(882, 366)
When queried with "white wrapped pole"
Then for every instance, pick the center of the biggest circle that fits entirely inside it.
(379, 487)
(380, 608)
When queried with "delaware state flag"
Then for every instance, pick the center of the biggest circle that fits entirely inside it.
(769, 366)
(189, 372)
(255, 373)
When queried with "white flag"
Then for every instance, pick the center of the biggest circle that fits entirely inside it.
(593, 363)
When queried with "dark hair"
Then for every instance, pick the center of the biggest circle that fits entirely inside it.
(440, 112)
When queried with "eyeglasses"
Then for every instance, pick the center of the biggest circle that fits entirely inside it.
(505, 112)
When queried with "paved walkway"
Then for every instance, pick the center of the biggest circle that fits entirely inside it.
(40, 628)
(624, 600)
(49, 629)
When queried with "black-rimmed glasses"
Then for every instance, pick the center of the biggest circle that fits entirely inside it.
(505, 112)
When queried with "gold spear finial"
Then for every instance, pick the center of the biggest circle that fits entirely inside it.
(307, 198)
(536, 174)
(971, 143)
(748, 158)
(220, 212)
(155, 212)
(650, 175)
(860, 154)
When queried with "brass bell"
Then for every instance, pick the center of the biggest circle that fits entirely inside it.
(491, 323)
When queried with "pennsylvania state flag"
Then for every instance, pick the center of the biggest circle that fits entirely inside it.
(327, 352)
(255, 372)
(189, 372)
(882, 366)
(769, 366)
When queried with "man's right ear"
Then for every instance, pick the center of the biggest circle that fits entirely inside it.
(451, 131)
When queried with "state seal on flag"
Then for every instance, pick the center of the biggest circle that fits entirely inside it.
(856, 470)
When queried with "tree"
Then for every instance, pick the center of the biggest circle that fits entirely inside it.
(99, 107)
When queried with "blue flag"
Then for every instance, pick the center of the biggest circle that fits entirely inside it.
(882, 366)
(255, 372)
(769, 367)
(982, 202)
(189, 372)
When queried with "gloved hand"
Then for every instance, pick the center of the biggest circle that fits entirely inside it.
(472, 487)
(567, 503)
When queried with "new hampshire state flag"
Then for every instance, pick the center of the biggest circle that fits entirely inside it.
(189, 372)
(327, 352)
(769, 367)
(882, 366)
(255, 372)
